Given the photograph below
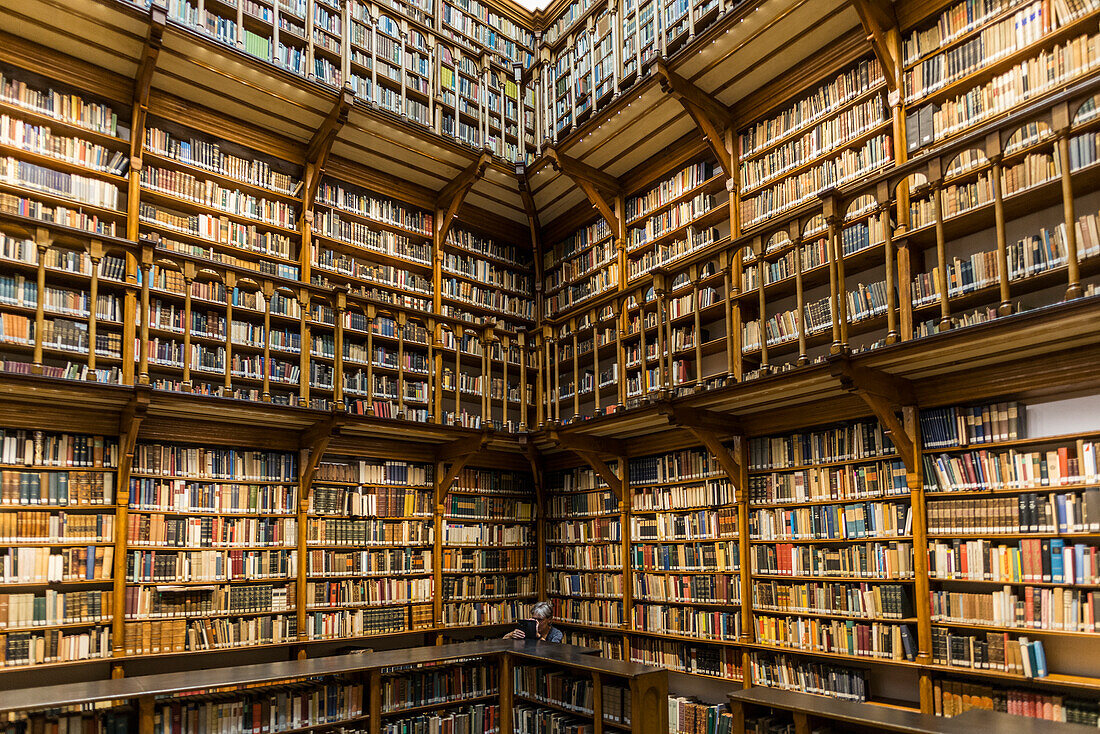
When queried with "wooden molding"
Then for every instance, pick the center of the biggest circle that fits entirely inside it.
(710, 116)
(129, 425)
(449, 199)
(143, 79)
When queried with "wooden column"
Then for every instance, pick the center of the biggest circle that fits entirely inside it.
(505, 350)
(147, 268)
(914, 478)
(188, 281)
(43, 240)
(338, 358)
(595, 365)
(307, 347)
(401, 364)
(621, 322)
(799, 292)
(269, 292)
(995, 174)
(436, 383)
(698, 326)
(941, 256)
(371, 315)
(230, 284)
(523, 355)
(459, 332)
(576, 368)
(95, 254)
(734, 335)
(883, 209)
(1073, 266)
(744, 549)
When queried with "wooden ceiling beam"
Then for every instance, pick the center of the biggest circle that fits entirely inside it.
(711, 117)
(881, 24)
(320, 144)
(449, 199)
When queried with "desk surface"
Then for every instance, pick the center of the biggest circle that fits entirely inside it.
(897, 720)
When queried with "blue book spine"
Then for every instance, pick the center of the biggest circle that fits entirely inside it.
(1056, 566)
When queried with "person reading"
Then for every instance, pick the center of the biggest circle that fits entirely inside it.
(542, 617)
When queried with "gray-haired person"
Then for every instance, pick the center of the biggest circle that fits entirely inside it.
(543, 614)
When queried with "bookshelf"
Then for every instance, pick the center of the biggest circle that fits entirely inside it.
(211, 549)
(685, 569)
(488, 549)
(57, 512)
(369, 545)
(585, 577)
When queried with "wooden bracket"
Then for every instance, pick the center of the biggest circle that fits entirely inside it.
(606, 473)
(143, 79)
(710, 116)
(316, 439)
(881, 24)
(129, 424)
(884, 394)
(320, 145)
(458, 453)
(450, 198)
(532, 455)
(595, 184)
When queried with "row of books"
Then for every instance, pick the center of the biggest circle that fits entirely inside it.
(892, 560)
(39, 527)
(343, 532)
(1073, 512)
(844, 637)
(848, 442)
(428, 687)
(42, 449)
(397, 502)
(391, 471)
(978, 424)
(144, 602)
(953, 697)
(1047, 560)
(880, 601)
(210, 532)
(986, 469)
(697, 525)
(386, 562)
(700, 556)
(209, 565)
(873, 479)
(989, 651)
(368, 592)
(1070, 610)
(53, 607)
(180, 495)
(23, 565)
(853, 521)
(211, 463)
(56, 488)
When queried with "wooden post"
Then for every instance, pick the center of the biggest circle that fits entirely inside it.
(698, 326)
(507, 704)
(269, 293)
(96, 254)
(744, 550)
(1073, 266)
(338, 348)
(401, 364)
(799, 292)
(147, 267)
(914, 477)
(621, 321)
(230, 284)
(628, 568)
(595, 363)
(43, 242)
(523, 355)
(576, 369)
(891, 267)
(304, 484)
(941, 256)
(304, 374)
(437, 545)
(188, 280)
